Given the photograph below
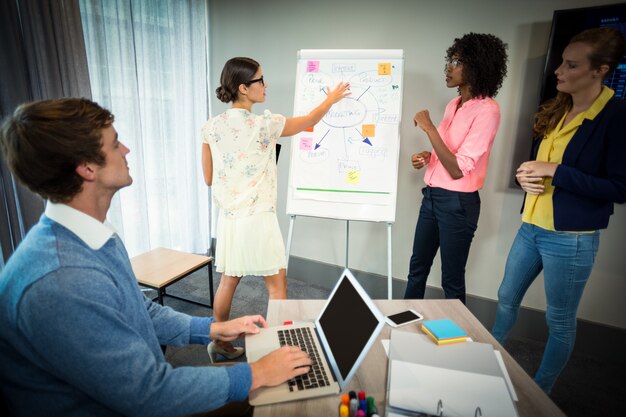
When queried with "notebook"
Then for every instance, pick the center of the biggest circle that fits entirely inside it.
(343, 333)
(460, 380)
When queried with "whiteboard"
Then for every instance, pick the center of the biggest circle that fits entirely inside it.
(346, 167)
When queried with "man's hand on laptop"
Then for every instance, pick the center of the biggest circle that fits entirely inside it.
(279, 366)
(234, 329)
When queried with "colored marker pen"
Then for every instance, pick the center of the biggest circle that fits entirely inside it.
(354, 407)
(363, 405)
(371, 407)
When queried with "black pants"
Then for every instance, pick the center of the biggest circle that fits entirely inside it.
(447, 220)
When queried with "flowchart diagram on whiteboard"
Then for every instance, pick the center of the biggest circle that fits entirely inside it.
(346, 166)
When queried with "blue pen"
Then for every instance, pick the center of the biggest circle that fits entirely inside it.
(363, 405)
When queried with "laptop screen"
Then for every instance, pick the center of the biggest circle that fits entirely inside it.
(348, 323)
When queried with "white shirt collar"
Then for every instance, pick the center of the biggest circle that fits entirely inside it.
(87, 228)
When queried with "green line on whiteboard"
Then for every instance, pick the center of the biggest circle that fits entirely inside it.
(329, 190)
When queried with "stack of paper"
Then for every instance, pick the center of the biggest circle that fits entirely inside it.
(444, 331)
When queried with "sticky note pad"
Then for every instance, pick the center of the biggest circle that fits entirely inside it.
(368, 130)
(312, 66)
(384, 69)
(306, 144)
(444, 329)
(353, 177)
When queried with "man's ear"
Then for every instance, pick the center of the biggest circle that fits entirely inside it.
(86, 171)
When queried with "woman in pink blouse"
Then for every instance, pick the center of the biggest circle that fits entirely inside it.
(239, 164)
(457, 164)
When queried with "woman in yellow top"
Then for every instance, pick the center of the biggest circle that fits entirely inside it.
(578, 172)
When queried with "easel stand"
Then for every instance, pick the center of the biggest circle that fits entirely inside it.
(292, 220)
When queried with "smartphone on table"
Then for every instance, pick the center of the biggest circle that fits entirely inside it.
(402, 318)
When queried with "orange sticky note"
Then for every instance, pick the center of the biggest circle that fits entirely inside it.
(384, 69)
(368, 131)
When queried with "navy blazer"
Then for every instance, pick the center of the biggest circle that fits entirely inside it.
(592, 175)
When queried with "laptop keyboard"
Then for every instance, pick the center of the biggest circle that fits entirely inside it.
(303, 338)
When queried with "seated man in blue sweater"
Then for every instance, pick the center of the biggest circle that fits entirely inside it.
(77, 336)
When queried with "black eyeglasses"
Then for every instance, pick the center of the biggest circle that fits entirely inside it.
(257, 80)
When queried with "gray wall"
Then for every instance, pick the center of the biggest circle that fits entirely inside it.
(272, 31)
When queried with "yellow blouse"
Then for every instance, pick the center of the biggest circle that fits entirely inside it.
(538, 209)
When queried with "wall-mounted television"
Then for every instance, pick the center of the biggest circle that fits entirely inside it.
(567, 23)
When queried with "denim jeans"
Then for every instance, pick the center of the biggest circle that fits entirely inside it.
(566, 259)
(447, 221)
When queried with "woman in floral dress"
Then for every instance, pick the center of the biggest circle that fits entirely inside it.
(239, 163)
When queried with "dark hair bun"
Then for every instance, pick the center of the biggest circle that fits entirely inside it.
(223, 95)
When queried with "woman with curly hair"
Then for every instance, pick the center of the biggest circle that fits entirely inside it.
(457, 164)
(576, 174)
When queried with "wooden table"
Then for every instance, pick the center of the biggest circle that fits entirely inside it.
(372, 376)
(162, 267)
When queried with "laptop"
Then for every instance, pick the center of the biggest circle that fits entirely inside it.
(342, 334)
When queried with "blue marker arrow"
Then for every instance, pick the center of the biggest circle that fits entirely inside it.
(367, 140)
(317, 145)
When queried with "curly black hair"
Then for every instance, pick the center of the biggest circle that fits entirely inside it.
(484, 61)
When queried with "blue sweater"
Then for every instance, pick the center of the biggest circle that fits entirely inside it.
(78, 338)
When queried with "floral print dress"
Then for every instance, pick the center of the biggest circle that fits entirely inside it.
(243, 149)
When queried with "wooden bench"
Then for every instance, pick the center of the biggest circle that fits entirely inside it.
(162, 267)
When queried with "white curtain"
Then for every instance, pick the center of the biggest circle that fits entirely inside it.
(148, 64)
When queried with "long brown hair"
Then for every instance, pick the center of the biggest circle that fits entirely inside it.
(607, 48)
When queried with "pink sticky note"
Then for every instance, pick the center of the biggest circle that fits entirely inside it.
(306, 144)
(312, 66)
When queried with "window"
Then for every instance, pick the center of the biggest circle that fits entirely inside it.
(148, 64)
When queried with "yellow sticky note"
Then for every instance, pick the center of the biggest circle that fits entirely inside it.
(353, 177)
(384, 69)
(368, 131)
